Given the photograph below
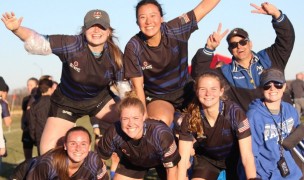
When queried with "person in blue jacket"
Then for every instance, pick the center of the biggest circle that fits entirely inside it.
(243, 73)
(271, 120)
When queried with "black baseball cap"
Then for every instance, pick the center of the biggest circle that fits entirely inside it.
(237, 32)
(272, 74)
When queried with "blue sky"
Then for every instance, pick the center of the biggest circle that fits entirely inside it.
(66, 17)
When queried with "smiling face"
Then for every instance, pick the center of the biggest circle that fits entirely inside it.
(209, 91)
(97, 36)
(77, 146)
(132, 121)
(274, 94)
(149, 20)
(241, 53)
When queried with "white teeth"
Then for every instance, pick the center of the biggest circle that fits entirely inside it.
(132, 129)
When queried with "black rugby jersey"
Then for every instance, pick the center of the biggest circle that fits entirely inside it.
(83, 76)
(221, 139)
(92, 168)
(156, 147)
(164, 68)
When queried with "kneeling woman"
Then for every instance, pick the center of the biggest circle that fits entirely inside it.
(141, 143)
(74, 160)
(220, 130)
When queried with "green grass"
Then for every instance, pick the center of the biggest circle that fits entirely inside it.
(15, 151)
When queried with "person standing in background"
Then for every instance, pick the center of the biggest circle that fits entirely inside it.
(297, 93)
(4, 116)
(38, 113)
(27, 141)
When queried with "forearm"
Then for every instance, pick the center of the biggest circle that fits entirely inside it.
(204, 7)
(249, 166)
(23, 33)
(172, 173)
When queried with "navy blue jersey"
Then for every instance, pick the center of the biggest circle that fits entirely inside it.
(220, 141)
(5, 110)
(156, 147)
(83, 76)
(165, 67)
(92, 169)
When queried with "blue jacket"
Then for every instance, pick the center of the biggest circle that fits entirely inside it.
(242, 90)
(265, 139)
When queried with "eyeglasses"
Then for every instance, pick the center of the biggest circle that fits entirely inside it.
(242, 42)
(276, 85)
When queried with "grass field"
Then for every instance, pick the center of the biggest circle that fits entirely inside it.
(15, 151)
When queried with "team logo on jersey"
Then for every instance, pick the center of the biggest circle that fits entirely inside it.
(146, 65)
(67, 112)
(125, 152)
(75, 66)
(184, 18)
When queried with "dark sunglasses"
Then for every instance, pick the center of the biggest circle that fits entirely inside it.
(276, 85)
(242, 42)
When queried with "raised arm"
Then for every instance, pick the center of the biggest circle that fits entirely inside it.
(203, 8)
(266, 8)
(13, 24)
(34, 43)
(216, 37)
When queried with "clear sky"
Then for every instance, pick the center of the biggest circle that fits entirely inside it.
(66, 17)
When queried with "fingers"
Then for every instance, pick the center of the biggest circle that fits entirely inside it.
(219, 28)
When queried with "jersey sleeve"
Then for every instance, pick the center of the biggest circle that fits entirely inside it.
(131, 59)
(170, 156)
(183, 26)
(62, 45)
(241, 123)
(97, 166)
(185, 134)
(106, 145)
(5, 110)
(39, 171)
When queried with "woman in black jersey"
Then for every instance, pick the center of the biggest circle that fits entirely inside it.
(220, 132)
(156, 59)
(141, 143)
(90, 62)
(72, 161)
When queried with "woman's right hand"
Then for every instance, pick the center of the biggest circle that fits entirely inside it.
(10, 21)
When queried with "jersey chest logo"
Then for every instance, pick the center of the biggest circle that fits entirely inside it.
(146, 65)
(74, 66)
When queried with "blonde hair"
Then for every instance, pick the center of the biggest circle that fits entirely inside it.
(131, 99)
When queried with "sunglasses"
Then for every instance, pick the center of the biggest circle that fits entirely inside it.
(276, 85)
(242, 42)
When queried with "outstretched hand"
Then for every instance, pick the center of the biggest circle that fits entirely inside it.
(215, 38)
(10, 21)
(266, 8)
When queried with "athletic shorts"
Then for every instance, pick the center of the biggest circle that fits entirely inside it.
(127, 169)
(71, 110)
(207, 168)
(179, 99)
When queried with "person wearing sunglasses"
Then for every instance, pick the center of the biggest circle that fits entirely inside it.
(271, 120)
(243, 73)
